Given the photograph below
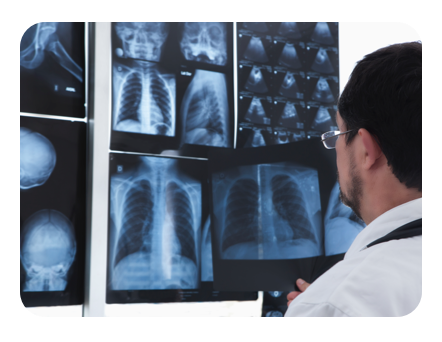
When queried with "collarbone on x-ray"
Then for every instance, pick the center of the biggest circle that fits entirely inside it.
(144, 99)
(142, 40)
(37, 159)
(156, 214)
(205, 42)
(341, 225)
(269, 211)
(44, 39)
(205, 110)
(47, 250)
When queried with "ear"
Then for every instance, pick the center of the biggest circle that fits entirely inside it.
(372, 151)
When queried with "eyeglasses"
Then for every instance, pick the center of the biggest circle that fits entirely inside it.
(329, 138)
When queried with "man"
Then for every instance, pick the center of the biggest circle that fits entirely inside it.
(379, 161)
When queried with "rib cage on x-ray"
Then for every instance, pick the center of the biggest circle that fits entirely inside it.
(144, 99)
(156, 213)
(341, 225)
(205, 110)
(268, 212)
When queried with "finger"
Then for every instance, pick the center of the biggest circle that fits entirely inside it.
(302, 284)
(292, 295)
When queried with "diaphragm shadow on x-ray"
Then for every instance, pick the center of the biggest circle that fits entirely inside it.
(52, 211)
(52, 69)
(156, 215)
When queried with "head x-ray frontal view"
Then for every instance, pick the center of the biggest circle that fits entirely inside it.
(267, 211)
(204, 42)
(37, 158)
(141, 40)
(143, 99)
(47, 250)
(155, 218)
(205, 110)
(341, 225)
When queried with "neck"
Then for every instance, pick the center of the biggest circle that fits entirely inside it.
(382, 193)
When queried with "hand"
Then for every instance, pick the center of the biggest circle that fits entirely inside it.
(302, 285)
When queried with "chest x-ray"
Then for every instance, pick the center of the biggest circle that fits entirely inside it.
(268, 211)
(206, 253)
(37, 159)
(341, 225)
(205, 110)
(204, 42)
(47, 250)
(41, 38)
(143, 99)
(156, 215)
(141, 40)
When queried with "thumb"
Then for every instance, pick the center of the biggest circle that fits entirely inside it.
(302, 284)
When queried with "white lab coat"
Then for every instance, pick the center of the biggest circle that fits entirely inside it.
(383, 280)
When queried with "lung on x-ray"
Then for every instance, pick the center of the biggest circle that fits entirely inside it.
(341, 225)
(267, 211)
(141, 40)
(47, 250)
(37, 158)
(143, 99)
(204, 42)
(205, 110)
(155, 213)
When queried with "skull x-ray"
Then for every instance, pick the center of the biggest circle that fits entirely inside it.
(43, 37)
(322, 34)
(204, 42)
(141, 40)
(267, 211)
(143, 99)
(155, 213)
(47, 250)
(341, 225)
(206, 253)
(37, 158)
(205, 110)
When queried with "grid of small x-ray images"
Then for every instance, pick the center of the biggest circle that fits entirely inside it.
(288, 81)
(52, 164)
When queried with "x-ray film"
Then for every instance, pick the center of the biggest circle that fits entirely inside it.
(341, 225)
(156, 218)
(47, 250)
(322, 34)
(255, 81)
(52, 211)
(52, 69)
(258, 27)
(256, 112)
(206, 253)
(205, 110)
(141, 40)
(322, 92)
(268, 212)
(204, 42)
(289, 57)
(322, 121)
(37, 158)
(255, 51)
(290, 117)
(322, 62)
(289, 30)
(289, 87)
(143, 99)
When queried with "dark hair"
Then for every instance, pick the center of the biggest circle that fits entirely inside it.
(384, 96)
